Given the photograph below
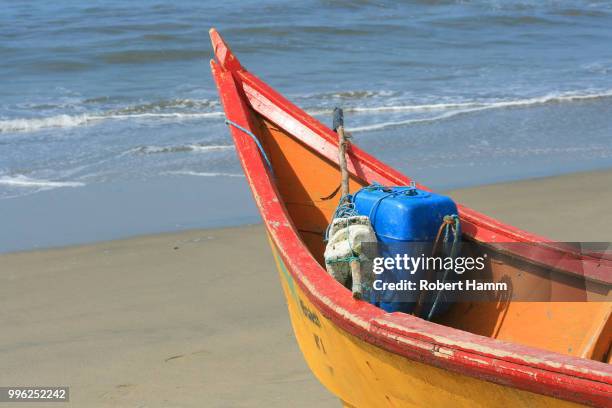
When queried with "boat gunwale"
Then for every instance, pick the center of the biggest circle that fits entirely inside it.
(571, 378)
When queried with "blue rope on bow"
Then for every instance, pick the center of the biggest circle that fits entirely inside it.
(255, 139)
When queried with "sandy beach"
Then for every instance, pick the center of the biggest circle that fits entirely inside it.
(573, 207)
(197, 318)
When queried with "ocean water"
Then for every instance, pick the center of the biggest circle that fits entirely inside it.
(110, 124)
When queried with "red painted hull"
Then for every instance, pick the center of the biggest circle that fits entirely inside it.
(246, 98)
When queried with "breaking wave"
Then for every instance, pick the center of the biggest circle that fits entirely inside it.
(349, 95)
(197, 148)
(34, 124)
(548, 99)
(177, 103)
(455, 109)
(68, 121)
(203, 174)
(155, 110)
(392, 124)
(24, 181)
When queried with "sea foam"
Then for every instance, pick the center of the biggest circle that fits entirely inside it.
(195, 148)
(24, 181)
(202, 174)
(455, 109)
(67, 121)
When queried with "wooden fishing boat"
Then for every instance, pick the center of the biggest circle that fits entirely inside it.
(512, 353)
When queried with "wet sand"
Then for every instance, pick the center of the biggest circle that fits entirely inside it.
(197, 318)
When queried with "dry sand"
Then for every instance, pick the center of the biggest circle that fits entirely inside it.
(197, 319)
(193, 319)
(571, 208)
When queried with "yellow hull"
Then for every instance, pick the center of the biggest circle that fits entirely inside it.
(363, 375)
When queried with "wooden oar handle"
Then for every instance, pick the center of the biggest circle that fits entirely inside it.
(339, 128)
(338, 118)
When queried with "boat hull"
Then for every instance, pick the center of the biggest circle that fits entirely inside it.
(367, 357)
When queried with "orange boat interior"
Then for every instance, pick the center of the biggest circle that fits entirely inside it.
(308, 184)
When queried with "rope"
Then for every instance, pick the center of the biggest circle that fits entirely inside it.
(345, 209)
(255, 139)
(347, 259)
(450, 223)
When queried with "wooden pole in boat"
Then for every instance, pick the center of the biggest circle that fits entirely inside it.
(344, 188)
(342, 144)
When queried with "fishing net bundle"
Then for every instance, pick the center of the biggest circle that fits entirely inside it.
(348, 237)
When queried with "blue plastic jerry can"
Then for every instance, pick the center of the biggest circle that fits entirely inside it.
(406, 220)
